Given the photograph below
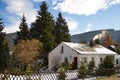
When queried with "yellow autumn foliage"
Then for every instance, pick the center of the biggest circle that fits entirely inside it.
(27, 51)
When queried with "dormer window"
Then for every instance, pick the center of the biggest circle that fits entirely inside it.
(61, 49)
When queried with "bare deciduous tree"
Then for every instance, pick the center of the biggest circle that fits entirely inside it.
(55, 60)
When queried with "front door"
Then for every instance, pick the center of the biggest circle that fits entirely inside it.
(75, 61)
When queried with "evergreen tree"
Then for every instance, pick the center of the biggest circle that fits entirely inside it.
(23, 34)
(107, 63)
(91, 44)
(82, 71)
(61, 30)
(106, 67)
(118, 51)
(43, 29)
(4, 51)
(91, 64)
(97, 41)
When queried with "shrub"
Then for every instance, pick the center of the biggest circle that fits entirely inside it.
(70, 66)
(105, 72)
(82, 71)
(64, 66)
(106, 67)
(5, 75)
(91, 64)
(29, 70)
(61, 75)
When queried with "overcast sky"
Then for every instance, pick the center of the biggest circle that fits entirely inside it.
(81, 15)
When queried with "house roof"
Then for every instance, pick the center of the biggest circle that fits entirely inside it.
(117, 56)
(86, 49)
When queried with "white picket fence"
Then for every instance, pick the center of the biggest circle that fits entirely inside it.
(40, 76)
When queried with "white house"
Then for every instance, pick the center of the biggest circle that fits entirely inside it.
(75, 52)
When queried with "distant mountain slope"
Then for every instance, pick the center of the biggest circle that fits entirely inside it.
(74, 38)
(89, 35)
(10, 39)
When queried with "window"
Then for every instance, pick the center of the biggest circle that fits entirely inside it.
(93, 59)
(116, 61)
(101, 59)
(70, 56)
(85, 59)
(61, 49)
(66, 60)
(82, 59)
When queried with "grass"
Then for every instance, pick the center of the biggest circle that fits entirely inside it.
(114, 77)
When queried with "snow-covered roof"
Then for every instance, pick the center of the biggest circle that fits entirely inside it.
(117, 56)
(86, 49)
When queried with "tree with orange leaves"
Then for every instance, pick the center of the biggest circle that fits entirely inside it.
(107, 40)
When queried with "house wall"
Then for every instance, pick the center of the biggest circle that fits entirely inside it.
(117, 60)
(89, 57)
(60, 57)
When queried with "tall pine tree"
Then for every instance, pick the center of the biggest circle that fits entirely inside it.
(4, 51)
(23, 34)
(43, 29)
(61, 30)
